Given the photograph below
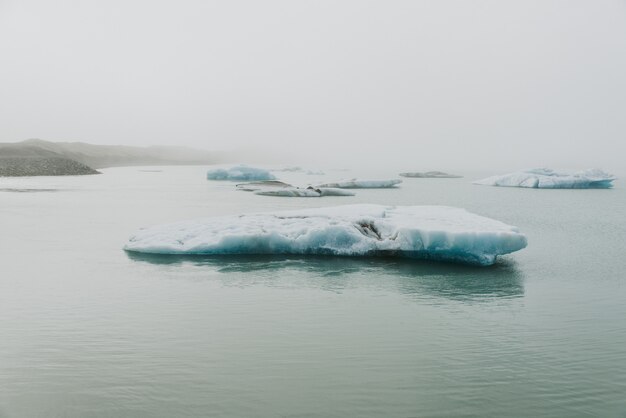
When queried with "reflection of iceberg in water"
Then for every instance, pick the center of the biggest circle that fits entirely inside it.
(416, 279)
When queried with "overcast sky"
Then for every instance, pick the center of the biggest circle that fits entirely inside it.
(422, 84)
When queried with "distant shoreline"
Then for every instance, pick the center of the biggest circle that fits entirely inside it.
(35, 157)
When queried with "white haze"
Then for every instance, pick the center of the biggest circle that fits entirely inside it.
(417, 84)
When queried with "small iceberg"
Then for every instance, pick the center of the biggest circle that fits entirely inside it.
(240, 173)
(544, 178)
(362, 184)
(294, 169)
(421, 232)
(279, 188)
(300, 192)
(262, 185)
(430, 175)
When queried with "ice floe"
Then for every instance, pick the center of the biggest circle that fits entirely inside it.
(430, 175)
(303, 192)
(362, 184)
(544, 178)
(281, 189)
(240, 173)
(262, 185)
(423, 232)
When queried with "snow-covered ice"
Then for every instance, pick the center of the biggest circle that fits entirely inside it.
(240, 173)
(362, 184)
(544, 178)
(424, 232)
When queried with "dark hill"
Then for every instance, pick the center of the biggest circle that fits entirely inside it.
(100, 156)
(18, 160)
(35, 157)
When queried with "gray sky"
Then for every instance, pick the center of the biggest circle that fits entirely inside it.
(420, 84)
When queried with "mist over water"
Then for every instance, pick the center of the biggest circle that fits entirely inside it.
(443, 85)
(343, 89)
(90, 330)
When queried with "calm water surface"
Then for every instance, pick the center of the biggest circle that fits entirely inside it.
(90, 331)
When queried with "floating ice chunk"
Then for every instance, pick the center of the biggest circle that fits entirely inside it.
(241, 173)
(362, 184)
(424, 232)
(332, 191)
(298, 192)
(279, 188)
(431, 175)
(544, 178)
(262, 185)
(289, 192)
(294, 169)
(297, 169)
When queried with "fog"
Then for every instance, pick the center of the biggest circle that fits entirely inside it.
(418, 84)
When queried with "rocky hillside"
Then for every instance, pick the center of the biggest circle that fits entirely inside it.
(100, 156)
(17, 160)
(35, 157)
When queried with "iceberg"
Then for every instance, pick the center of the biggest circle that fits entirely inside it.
(298, 192)
(294, 169)
(261, 185)
(430, 175)
(420, 232)
(362, 184)
(240, 173)
(279, 188)
(544, 178)
(289, 192)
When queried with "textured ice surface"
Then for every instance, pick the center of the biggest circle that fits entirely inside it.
(362, 184)
(427, 232)
(240, 173)
(544, 178)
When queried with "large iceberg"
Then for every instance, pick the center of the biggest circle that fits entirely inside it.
(362, 184)
(240, 173)
(423, 232)
(544, 178)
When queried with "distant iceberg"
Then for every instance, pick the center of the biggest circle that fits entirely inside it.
(262, 185)
(294, 169)
(430, 175)
(303, 192)
(281, 189)
(362, 184)
(240, 173)
(544, 178)
(422, 232)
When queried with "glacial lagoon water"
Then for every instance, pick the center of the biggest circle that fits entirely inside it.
(88, 330)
